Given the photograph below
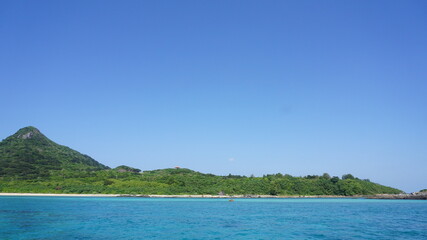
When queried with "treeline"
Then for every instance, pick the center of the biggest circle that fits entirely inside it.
(185, 181)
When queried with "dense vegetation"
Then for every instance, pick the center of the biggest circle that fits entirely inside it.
(185, 181)
(28, 154)
(123, 168)
(30, 162)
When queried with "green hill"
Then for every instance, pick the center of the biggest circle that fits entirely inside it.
(30, 154)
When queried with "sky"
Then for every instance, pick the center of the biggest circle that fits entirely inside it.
(240, 87)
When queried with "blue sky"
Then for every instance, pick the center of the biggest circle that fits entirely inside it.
(241, 87)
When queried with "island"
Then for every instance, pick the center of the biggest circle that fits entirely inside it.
(32, 163)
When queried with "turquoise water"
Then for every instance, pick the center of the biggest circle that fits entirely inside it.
(141, 218)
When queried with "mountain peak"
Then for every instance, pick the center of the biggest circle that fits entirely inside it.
(28, 132)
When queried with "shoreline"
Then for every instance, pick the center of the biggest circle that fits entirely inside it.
(168, 196)
(247, 196)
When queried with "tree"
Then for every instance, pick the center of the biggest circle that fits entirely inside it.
(326, 176)
(335, 179)
(347, 176)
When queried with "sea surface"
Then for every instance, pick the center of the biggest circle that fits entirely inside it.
(159, 218)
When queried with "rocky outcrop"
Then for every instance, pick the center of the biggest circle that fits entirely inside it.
(415, 196)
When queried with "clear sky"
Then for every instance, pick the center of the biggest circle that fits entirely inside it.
(241, 87)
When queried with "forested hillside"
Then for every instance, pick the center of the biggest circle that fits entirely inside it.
(28, 154)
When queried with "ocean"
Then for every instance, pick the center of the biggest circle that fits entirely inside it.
(161, 218)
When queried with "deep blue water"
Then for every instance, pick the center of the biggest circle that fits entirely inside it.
(141, 218)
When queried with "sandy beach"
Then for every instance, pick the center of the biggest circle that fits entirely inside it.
(58, 195)
(163, 196)
(416, 196)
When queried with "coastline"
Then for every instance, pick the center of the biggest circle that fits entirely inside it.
(55, 195)
(167, 196)
(407, 196)
(413, 196)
